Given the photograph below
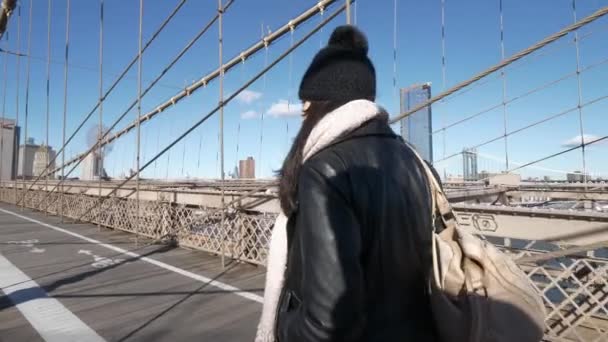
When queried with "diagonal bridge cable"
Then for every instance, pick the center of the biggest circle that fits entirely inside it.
(264, 43)
(523, 95)
(531, 125)
(548, 40)
(107, 93)
(555, 48)
(216, 109)
(202, 82)
(152, 84)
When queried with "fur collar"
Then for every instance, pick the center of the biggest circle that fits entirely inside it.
(333, 125)
(338, 123)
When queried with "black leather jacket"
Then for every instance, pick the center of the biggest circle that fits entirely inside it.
(359, 244)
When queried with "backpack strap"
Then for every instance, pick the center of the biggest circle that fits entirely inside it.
(439, 201)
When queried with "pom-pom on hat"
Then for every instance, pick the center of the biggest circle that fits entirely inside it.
(341, 71)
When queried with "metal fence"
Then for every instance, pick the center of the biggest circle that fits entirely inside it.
(573, 283)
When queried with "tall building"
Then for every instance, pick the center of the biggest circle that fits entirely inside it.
(9, 140)
(247, 168)
(417, 128)
(26, 159)
(92, 167)
(577, 177)
(43, 156)
(235, 173)
(469, 165)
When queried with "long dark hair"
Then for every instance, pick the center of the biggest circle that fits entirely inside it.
(290, 172)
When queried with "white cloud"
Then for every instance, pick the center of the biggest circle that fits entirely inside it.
(284, 108)
(250, 114)
(576, 141)
(248, 96)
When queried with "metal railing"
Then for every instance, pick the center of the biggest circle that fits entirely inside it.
(572, 281)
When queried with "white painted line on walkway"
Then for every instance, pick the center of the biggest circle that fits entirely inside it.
(47, 315)
(191, 275)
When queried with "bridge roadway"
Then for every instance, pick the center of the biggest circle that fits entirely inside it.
(73, 282)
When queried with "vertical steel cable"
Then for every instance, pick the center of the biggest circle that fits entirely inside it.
(443, 73)
(504, 84)
(100, 155)
(262, 112)
(169, 152)
(238, 135)
(65, 103)
(580, 96)
(183, 157)
(348, 12)
(221, 104)
(27, 93)
(17, 94)
(48, 95)
(289, 91)
(139, 72)
(157, 148)
(200, 147)
(115, 83)
(145, 138)
(515, 57)
(227, 100)
(3, 124)
(395, 94)
(217, 155)
(321, 31)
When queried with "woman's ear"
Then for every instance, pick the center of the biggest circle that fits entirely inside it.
(305, 106)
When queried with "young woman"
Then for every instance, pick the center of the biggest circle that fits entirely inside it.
(351, 252)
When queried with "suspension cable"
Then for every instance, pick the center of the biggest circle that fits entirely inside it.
(18, 90)
(27, 93)
(548, 40)
(504, 83)
(580, 96)
(523, 95)
(78, 159)
(547, 51)
(48, 99)
(273, 36)
(200, 146)
(395, 91)
(238, 134)
(183, 158)
(262, 111)
(443, 71)
(289, 87)
(112, 87)
(220, 12)
(92, 69)
(3, 118)
(227, 100)
(138, 128)
(169, 154)
(266, 41)
(217, 155)
(65, 103)
(600, 139)
(534, 124)
(100, 158)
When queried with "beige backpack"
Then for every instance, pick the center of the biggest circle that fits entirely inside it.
(477, 292)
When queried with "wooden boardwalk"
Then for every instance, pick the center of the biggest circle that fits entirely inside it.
(151, 293)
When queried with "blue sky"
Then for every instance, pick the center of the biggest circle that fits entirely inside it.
(472, 44)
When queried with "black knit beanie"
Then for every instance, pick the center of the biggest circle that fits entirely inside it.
(341, 71)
